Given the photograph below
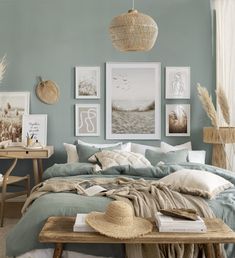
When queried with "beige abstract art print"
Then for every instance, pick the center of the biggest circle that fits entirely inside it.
(87, 119)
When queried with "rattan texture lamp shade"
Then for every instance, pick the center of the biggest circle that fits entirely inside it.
(133, 31)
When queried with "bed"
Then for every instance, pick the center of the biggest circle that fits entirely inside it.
(23, 238)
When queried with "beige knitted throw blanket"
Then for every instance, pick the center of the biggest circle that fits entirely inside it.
(146, 197)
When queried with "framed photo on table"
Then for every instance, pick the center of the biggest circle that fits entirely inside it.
(133, 100)
(178, 120)
(87, 119)
(177, 82)
(35, 129)
(87, 82)
(13, 105)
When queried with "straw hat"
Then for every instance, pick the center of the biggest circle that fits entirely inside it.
(48, 92)
(119, 221)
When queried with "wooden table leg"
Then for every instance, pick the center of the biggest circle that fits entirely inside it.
(208, 250)
(217, 249)
(40, 168)
(35, 171)
(58, 250)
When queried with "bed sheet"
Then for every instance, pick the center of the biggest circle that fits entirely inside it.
(24, 236)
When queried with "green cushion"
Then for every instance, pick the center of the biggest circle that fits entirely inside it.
(85, 151)
(167, 157)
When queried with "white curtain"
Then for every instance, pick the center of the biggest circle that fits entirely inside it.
(225, 59)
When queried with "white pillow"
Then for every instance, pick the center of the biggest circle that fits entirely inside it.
(197, 156)
(165, 147)
(124, 146)
(140, 148)
(196, 182)
(71, 150)
(118, 157)
(98, 145)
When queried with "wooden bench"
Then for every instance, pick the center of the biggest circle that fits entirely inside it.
(59, 230)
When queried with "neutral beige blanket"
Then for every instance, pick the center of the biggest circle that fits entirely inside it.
(147, 197)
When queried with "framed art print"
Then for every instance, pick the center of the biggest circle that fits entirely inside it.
(35, 128)
(133, 100)
(87, 119)
(178, 120)
(13, 105)
(87, 82)
(177, 82)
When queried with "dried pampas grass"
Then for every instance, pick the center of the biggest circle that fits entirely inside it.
(3, 67)
(223, 103)
(208, 105)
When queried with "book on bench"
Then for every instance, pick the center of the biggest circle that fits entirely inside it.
(173, 224)
(80, 224)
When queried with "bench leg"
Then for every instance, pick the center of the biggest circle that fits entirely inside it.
(217, 249)
(58, 250)
(208, 250)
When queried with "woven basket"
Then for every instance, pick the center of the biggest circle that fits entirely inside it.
(219, 136)
(133, 31)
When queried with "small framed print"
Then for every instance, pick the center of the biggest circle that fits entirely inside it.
(35, 128)
(87, 119)
(177, 82)
(13, 105)
(87, 82)
(178, 120)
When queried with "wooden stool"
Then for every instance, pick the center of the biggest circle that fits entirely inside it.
(15, 181)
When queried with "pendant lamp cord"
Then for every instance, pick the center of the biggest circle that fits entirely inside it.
(133, 4)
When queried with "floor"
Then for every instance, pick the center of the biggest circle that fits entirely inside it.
(8, 224)
(12, 215)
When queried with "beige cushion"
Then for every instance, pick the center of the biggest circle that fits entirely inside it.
(118, 157)
(196, 182)
(71, 150)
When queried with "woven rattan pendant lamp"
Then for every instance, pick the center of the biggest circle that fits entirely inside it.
(133, 31)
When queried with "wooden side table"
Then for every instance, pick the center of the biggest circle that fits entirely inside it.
(59, 230)
(219, 137)
(36, 155)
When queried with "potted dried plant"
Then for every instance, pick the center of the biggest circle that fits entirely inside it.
(217, 135)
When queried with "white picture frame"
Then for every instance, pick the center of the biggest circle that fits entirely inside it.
(87, 119)
(133, 100)
(178, 83)
(35, 128)
(87, 82)
(13, 105)
(177, 119)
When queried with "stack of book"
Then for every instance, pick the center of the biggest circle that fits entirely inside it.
(173, 224)
(80, 224)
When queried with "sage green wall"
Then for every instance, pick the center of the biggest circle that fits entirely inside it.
(50, 37)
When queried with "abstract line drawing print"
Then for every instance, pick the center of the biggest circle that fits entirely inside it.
(177, 82)
(177, 85)
(87, 119)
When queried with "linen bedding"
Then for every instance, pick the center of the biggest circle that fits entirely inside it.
(24, 236)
